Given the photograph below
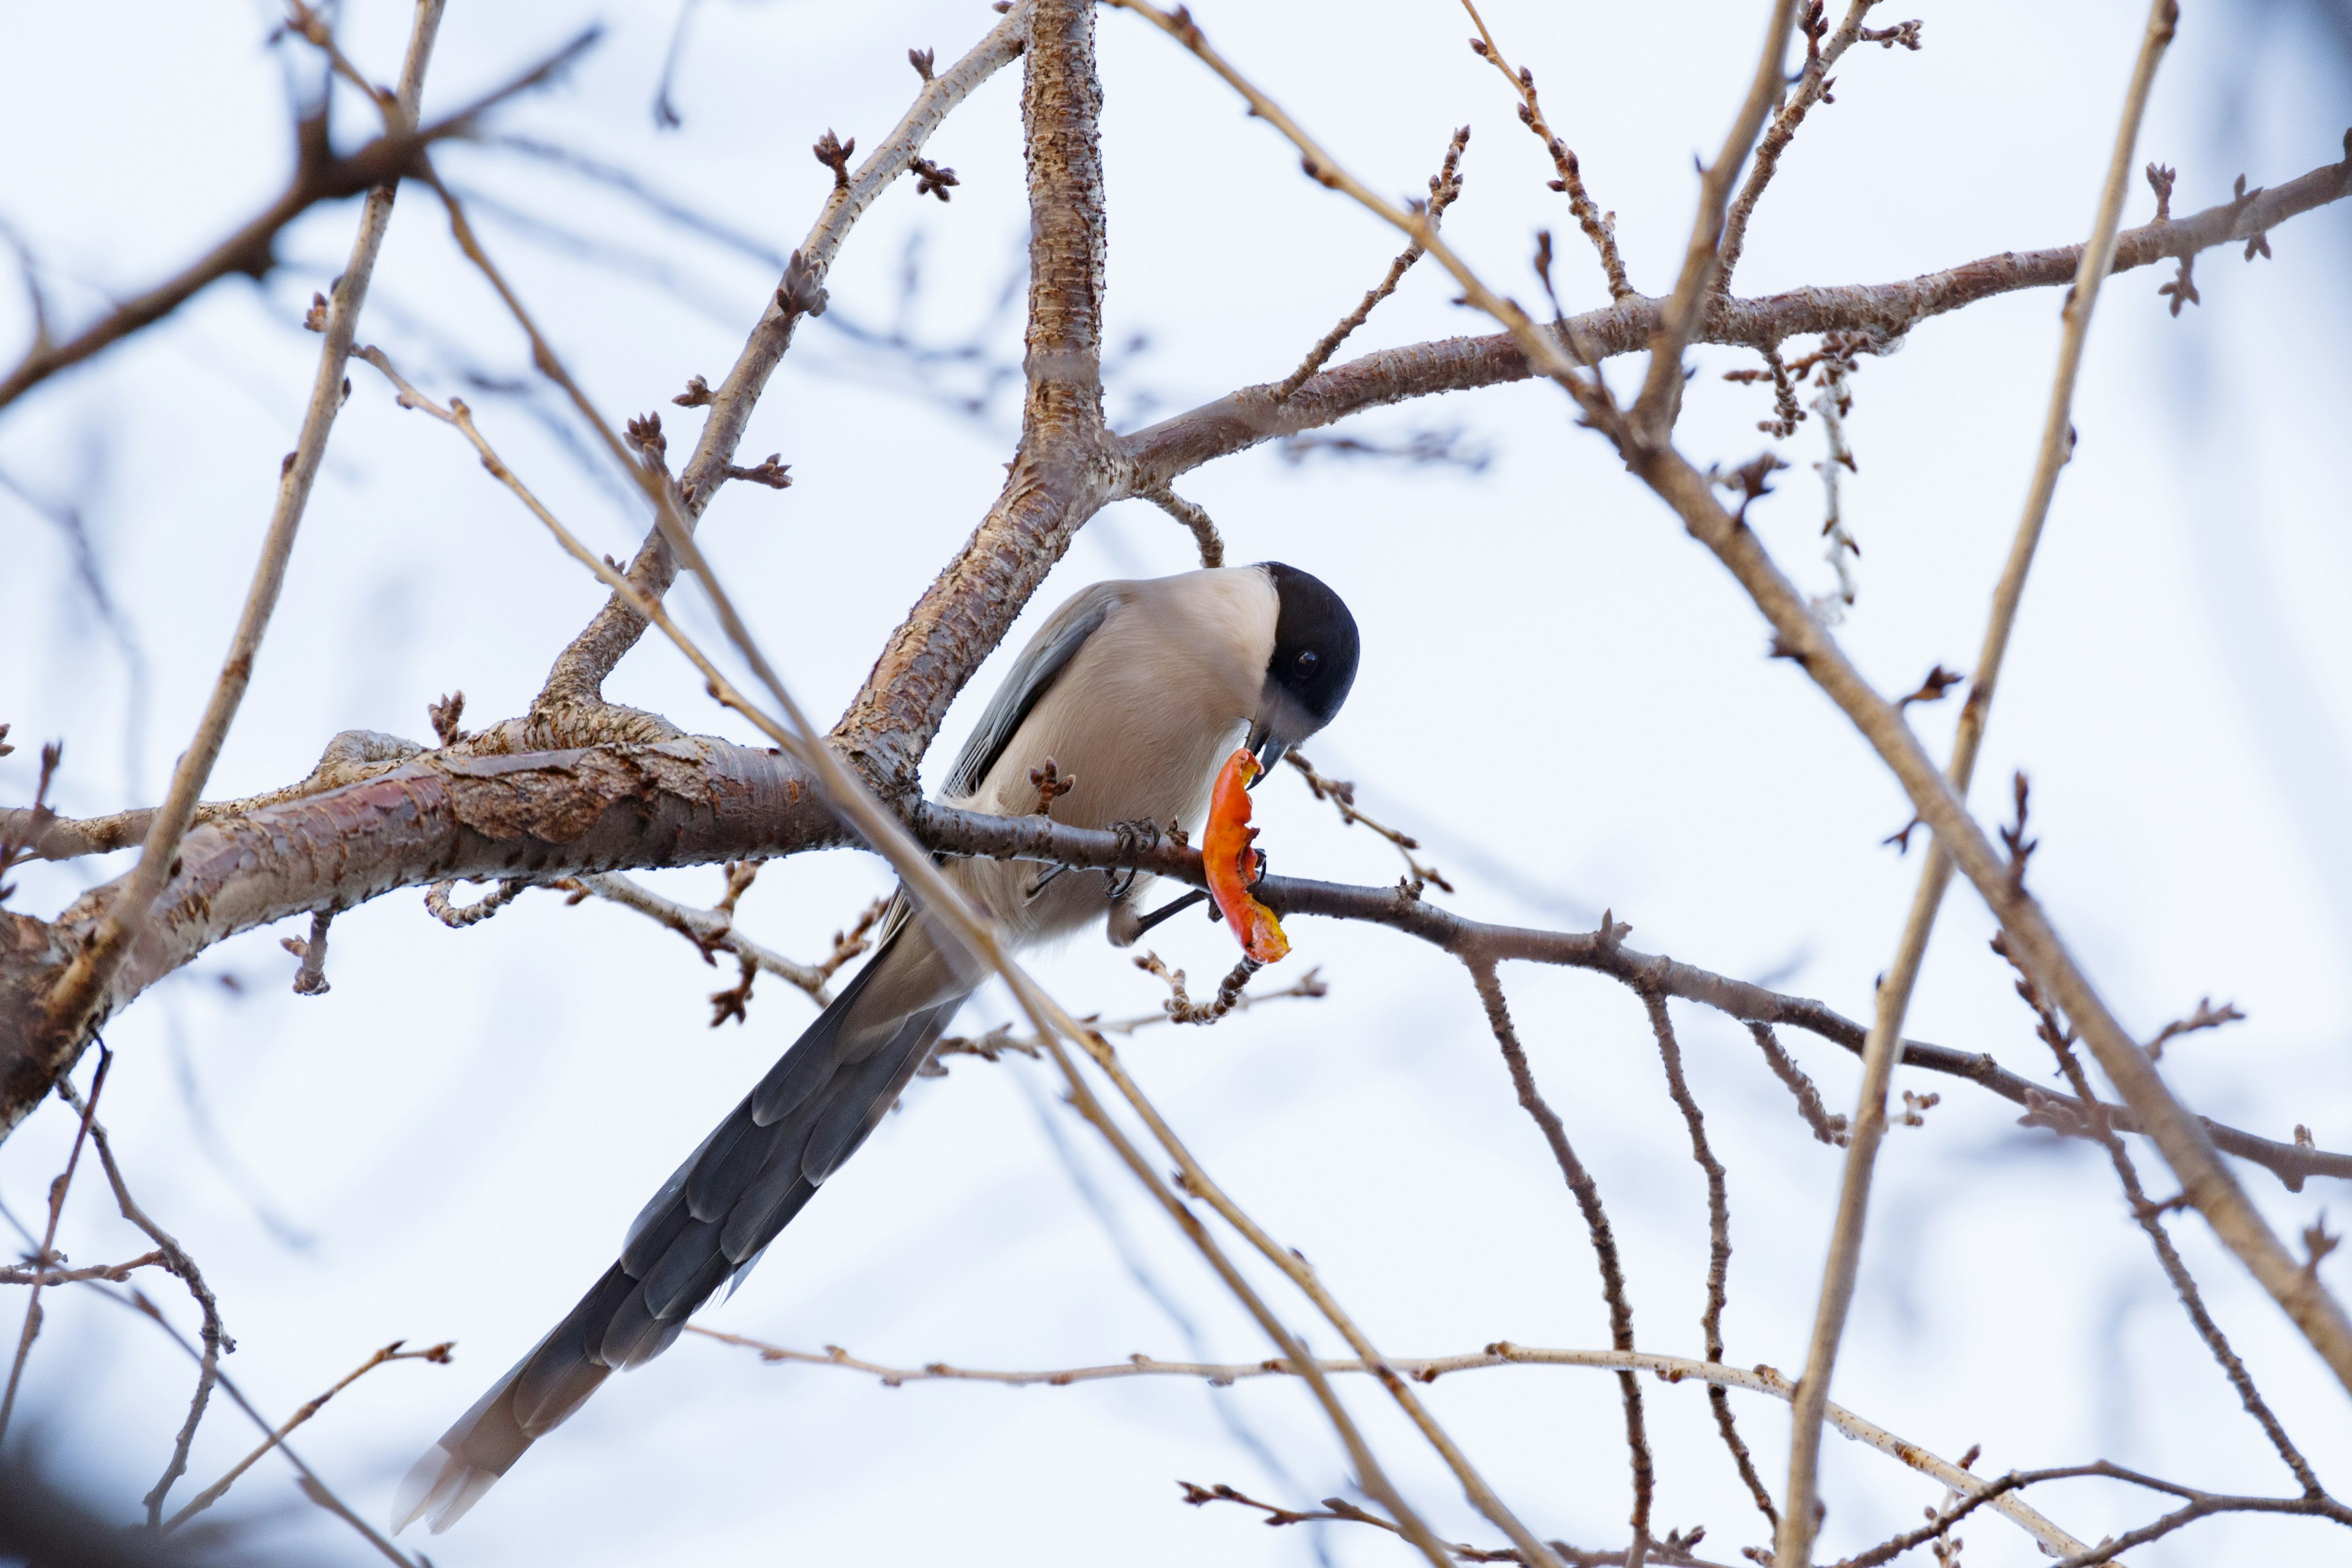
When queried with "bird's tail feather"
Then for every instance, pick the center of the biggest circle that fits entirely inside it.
(713, 1218)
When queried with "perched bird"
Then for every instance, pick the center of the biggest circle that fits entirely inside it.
(1137, 692)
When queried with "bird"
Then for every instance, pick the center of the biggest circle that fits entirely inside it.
(1137, 692)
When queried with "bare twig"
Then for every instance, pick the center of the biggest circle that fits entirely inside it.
(1179, 1007)
(439, 898)
(1829, 1129)
(1719, 1231)
(439, 1354)
(1812, 86)
(713, 931)
(1204, 531)
(2197, 1505)
(46, 1257)
(21, 831)
(1502, 1353)
(80, 993)
(114, 1273)
(311, 980)
(319, 176)
(1599, 228)
(1443, 187)
(1833, 403)
(1596, 1219)
(1340, 1508)
(217, 1342)
(1341, 794)
(2150, 1219)
(2207, 1016)
(1793, 1545)
(993, 1045)
(1654, 414)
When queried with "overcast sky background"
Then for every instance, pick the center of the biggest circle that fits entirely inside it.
(1566, 697)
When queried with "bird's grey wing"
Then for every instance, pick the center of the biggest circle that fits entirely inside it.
(713, 1218)
(1032, 676)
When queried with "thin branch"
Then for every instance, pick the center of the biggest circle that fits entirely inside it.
(319, 176)
(1653, 413)
(311, 980)
(1587, 1193)
(439, 1354)
(579, 672)
(1443, 187)
(1829, 1130)
(713, 931)
(1719, 1231)
(1569, 180)
(1872, 312)
(1502, 1353)
(80, 994)
(2150, 1219)
(1204, 530)
(1341, 794)
(176, 1259)
(2200, 1505)
(1794, 1543)
(1340, 1508)
(993, 1045)
(115, 1273)
(45, 1257)
(1813, 86)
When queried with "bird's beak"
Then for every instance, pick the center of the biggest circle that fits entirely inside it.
(1270, 746)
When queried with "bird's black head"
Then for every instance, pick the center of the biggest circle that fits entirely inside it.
(1314, 663)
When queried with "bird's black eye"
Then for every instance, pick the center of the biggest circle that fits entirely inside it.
(1307, 660)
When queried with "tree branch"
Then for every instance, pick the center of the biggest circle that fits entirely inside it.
(578, 676)
(319, 176)
(1587, 1193)
(1795, 1539)
(1797, 636)
(58, 1038)
(1062, 473)
(1502, 1353)
(1654, 414)
(1881, 312)
(701, 801)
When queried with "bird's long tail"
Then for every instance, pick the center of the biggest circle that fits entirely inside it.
(712, 1219)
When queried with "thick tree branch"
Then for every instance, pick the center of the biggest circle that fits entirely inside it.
(1063, 473)
(701, 801)
(541, 815)
(350, 757)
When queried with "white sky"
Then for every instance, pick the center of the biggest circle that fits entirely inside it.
(1564, 695)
